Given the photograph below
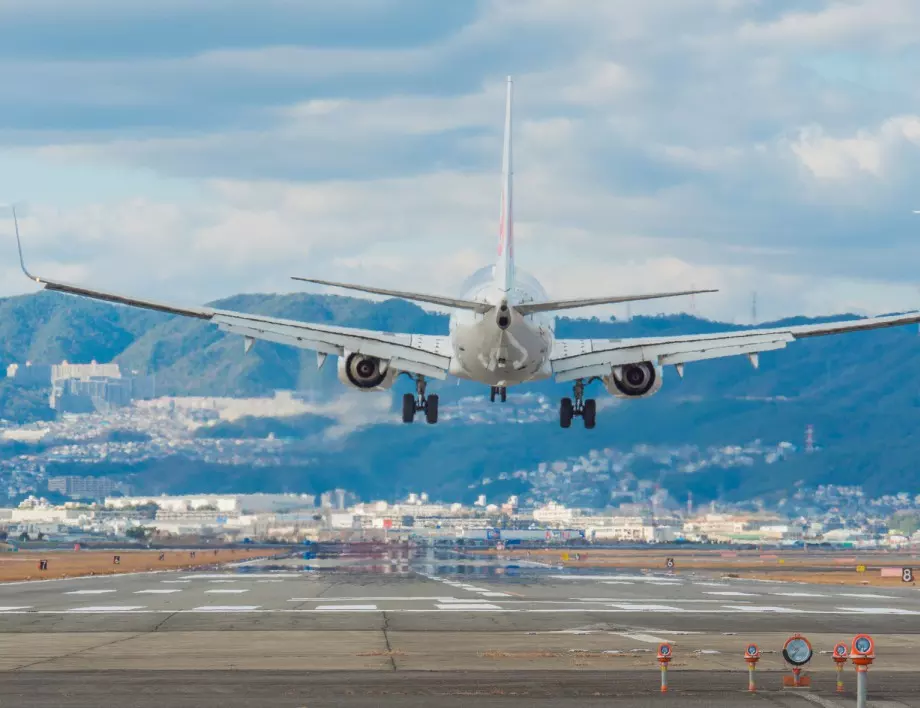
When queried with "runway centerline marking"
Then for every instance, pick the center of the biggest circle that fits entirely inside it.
(647, 608)
(346, 608)
(869, 596)
(760, 608)
(878, 610)
(226, 591)
(107, 608)
(733, 593)
(798, 594)
(98, 591)
(157, 591)
(472, 606)
(226, 608)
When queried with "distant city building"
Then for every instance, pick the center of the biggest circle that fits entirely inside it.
(29, 374)
(94, 387)
(84, 487)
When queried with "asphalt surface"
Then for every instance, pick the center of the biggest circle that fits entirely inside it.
(285, 632)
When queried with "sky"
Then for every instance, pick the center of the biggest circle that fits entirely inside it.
(194, 149)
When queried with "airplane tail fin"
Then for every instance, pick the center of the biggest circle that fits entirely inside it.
(504, 267)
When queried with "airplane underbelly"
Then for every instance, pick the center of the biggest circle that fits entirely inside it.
(500, 358)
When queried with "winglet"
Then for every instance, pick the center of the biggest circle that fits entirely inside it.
(22, 261)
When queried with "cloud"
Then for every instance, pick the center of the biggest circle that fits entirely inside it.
(658, 145)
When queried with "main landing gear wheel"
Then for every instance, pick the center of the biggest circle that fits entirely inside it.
(501, 391)
(566, 411)
(586, 408)
(420, 402)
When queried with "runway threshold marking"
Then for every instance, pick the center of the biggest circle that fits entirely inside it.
(641, 637)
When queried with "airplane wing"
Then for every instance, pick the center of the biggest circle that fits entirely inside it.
(416, 354)
(583, 358)
(529, 308)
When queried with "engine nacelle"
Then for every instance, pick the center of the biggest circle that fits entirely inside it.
(365, 373)
(634, 380)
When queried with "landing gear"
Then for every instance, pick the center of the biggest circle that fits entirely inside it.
(586, 408)
(420, 402)
(501, 391)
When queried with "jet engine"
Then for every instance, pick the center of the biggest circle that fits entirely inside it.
(634, 380)
(365, 373)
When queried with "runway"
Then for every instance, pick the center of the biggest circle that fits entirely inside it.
(442, 615)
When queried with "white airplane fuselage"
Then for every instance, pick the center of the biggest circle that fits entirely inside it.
(485, 351)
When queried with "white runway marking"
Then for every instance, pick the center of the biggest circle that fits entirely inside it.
(240, 576)
(495, 594)
(799, 594)
(381, 599)
(713, 585)
(175, 581)
(647, 608)
(867, 596)
(733, 594)
(226, 591)
(617, 582)
(878, 610)
(227, 608)
(90, 592)
(640, 637)
(108, 608)
(15, 609)
(225, 581)
(462, 600)
(821, 701)
(756, 608)
(271, 580)
(471, 606)
(346, 608)
(157, 591)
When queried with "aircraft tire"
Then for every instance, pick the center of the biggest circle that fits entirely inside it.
(504, 394)
(589, 414)
(566, 411)
(431, 409)
(408, 408)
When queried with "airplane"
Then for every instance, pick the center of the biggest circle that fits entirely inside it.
(500, 334)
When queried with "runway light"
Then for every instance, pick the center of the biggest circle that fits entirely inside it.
(751, 656)
(862, 652)
(797, 651)
(840, 659)
(664, 658)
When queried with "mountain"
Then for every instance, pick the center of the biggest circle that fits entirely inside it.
(859, 391)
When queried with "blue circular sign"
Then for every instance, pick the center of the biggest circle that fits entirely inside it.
(841, 650)
(664, 650)
(752, 649)
(863, 645)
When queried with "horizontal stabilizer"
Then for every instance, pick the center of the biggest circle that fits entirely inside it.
(553, 305)
(455, 303)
